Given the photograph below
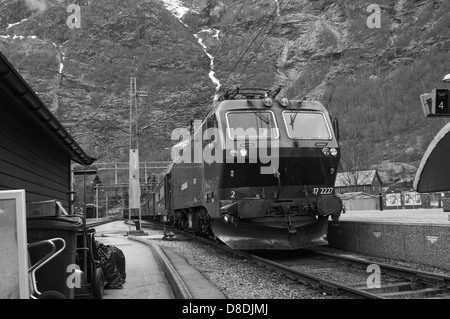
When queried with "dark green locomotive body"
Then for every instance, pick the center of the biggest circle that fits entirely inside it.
(258, 174)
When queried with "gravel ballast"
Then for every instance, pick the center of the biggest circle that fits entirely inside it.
(240, 278)
(235, 276)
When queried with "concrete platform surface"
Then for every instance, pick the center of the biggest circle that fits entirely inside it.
(198, 286)
(147, 275)
(432, 216)
(144, 277)
(420, 236)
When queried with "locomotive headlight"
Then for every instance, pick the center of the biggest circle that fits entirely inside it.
(284, 102)
(333, 151)
(233, 153)
(268, 102)
(326, 151)
(243, 152)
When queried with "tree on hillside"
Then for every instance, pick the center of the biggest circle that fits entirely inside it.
(354, 160)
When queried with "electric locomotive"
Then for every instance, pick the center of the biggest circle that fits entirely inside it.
(257, 173)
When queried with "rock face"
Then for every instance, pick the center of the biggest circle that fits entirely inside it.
(370, 78)
(83, 74)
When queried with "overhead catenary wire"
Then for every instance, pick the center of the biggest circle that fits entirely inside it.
(217, 51)
(245, 52)
(248, 48)
(254, 39)
(226, 34)
(251, 59)
(164, 115)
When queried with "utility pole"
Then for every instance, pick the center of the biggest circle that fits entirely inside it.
(134, 188)
(96, 201)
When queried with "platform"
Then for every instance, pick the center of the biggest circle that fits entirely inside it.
(432, 216)
(413, 235)
(146, 275)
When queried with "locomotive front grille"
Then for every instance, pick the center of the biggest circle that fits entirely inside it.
(263, 208)
(280, 222)
(300, 208)
(277, 211)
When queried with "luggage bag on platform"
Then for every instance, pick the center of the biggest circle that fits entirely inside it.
(112, 261)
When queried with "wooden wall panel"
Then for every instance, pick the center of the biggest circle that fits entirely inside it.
(30, 159)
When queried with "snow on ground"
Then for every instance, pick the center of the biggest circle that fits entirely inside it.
(61, 56)
(177, 8)
(13, 24)
(211, 73)
(278, 8)
(21, 37)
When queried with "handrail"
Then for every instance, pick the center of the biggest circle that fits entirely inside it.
(52, 254)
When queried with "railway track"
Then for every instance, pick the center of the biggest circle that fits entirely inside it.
(313, 268)
(395, 282)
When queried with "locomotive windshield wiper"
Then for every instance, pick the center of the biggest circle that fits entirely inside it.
(259, 114)
(293, 120)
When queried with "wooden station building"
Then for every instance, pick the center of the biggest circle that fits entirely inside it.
(35, 149)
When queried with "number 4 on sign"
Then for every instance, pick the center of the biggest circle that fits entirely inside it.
(441, 106)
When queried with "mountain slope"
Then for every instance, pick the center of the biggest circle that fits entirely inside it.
(116, 41)
(370, 78)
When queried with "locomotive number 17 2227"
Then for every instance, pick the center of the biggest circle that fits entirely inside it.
(323, 190)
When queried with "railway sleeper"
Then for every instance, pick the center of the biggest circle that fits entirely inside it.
(408, 289)
(415, 293)
(438, 282)
(397, 287)
(328, 289)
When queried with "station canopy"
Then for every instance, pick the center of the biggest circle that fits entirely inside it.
(433, 174)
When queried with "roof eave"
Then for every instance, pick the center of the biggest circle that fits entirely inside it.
(20, 91)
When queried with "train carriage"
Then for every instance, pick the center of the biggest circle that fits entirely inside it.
(156, 204)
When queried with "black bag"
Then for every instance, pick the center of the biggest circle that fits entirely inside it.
(107, 254)
(119, 257)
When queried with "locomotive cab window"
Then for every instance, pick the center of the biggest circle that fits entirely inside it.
(306, 125)
(251, 124)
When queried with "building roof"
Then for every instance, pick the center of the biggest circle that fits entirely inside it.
(362, 177)
(12, 83)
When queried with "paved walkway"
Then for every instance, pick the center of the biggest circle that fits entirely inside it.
(432, 216)
(150, 270)
(144, 277)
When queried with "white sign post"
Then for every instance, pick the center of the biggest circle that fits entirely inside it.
(13, 246)
(134, 187)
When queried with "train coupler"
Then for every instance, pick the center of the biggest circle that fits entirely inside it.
(289, 224)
